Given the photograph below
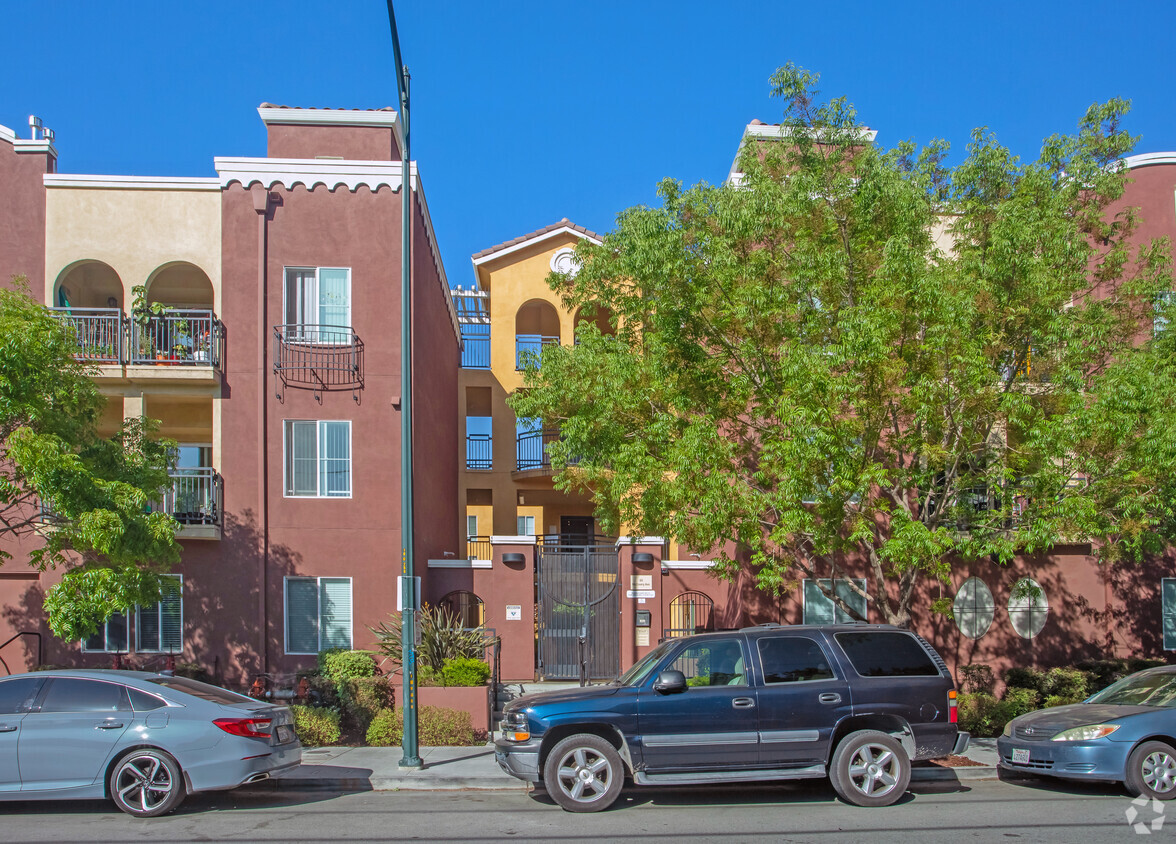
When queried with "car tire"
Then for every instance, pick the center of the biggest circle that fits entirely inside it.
(870, 769)
(146, 783)
(584, 773)
(1151, 771)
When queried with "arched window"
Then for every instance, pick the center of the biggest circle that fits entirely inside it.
(1028, 608)
(691, 612)
(536, 326)
(466, 606)
(974, 608)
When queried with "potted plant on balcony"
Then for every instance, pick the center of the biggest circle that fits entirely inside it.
(141, 313)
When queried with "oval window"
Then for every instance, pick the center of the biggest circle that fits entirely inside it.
(1028, 607)
(974, 608)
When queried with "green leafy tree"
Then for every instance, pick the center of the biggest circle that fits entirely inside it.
(85, 500)
(864, 359)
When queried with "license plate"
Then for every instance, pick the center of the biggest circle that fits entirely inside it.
(285, 734)
(1020, 756)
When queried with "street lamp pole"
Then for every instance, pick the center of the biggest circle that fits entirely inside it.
(411, 756)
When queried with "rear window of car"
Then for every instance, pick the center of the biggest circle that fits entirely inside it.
(16, 695)
(201, 690)
(884, 653)
(143, 702)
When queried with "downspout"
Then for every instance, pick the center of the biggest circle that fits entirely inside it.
(261, 206)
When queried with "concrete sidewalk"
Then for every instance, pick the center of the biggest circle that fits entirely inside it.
(462, 768)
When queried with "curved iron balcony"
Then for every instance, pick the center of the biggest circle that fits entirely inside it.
(318, 357)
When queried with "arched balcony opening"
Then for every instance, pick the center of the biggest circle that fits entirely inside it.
(536, 326)
(597, 315)
(174, 322)
(88, 298)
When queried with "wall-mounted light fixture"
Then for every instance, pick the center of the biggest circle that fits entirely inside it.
(643, 557)
(514, 557)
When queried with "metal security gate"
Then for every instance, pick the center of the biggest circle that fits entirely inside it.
(579, 612)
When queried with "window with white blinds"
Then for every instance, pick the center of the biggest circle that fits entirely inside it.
(159, 628)
(112, 637)
(318, 614)
(318, 458)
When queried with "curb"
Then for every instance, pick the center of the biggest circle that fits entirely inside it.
(940, 774)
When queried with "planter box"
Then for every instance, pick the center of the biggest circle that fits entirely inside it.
(471, 699)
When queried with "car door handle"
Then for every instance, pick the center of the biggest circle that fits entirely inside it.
(830, 697)
(5, 728)
(109, 725)
(743, 703)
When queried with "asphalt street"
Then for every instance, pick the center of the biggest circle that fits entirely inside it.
(969, 811)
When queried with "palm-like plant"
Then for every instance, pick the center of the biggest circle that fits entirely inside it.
(442, 637)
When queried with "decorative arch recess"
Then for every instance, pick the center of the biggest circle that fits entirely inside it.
(87, 284)
(691, 612)
(974, 608)
(466, 606)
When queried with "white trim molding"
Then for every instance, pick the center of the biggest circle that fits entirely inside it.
(531, 241)
(640, 540)
(7, 134)
(689, 565)
(389, 119)
(309, 172)
(1146, 158)
(35, 146)
(460, 564)
(78, 180)
(512, 540)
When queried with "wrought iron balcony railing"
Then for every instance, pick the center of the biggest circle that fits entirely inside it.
(475, 345)
(529, 347)
(531, 448)
(479, 451)
(99, 332)
(177, 337)
(195, 497)
(479, 548)
(319, 357)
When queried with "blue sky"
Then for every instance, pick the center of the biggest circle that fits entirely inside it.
(527, 112)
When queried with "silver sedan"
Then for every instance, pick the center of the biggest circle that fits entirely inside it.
(143, 740)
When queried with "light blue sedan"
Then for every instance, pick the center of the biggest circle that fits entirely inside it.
(143, 740)
(1125, 733)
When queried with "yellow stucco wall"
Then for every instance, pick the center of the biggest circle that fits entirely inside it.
(135, 231)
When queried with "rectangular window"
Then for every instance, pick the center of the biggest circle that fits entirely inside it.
(112, 637)
(819, 607)
(159, 628)
(1168, 611)
(471, 526)
(884, 653)
(526, 526)
(318, 459)
(1162, 305)
(318, 304)
(318, 614)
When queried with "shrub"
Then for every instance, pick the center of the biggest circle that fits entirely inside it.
(436, 727)
(193, 671)
(1025, 678)
(463, 671)
(1065, 683)
(316, 726)
(977, 678)
(1014, 703)
(341, 665)
(976, 712)
(1059, 700)
(442, 637)
(363, 698)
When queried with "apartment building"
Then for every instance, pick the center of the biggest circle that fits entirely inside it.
(265, 335)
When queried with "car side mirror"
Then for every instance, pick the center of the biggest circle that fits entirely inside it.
(670, 682)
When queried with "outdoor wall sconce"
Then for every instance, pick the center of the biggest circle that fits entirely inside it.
(665, 570)
(514, 557)
(643, 557)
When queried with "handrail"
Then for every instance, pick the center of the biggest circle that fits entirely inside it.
(16, 636)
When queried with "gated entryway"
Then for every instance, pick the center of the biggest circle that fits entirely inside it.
(579, 612)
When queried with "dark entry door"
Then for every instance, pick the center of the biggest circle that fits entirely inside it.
(579, 612)
(576, 530)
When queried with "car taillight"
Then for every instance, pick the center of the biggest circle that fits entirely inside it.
(952, 706)
(248, 727)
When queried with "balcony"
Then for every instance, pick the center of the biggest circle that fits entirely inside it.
(177, 337)
(528, 348)
(531, 449)
(194, 501)
(475, 346)
(100, 332)
(321, 358)
(479, 548)
(479, 451)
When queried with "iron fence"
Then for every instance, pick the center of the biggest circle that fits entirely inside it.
(479, 451)
(475, 345)
(531, 448)
(323, 357)
(479, 548)
(99, 332)
(528, 348)
(177, 336)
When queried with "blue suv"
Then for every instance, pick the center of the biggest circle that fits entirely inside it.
(855, 703)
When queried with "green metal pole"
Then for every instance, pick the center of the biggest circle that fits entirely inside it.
(411, 755)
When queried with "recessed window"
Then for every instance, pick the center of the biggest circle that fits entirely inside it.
(318, 614)
(974, 608)
(819, 607)
(317, 305)
(1028, 608)
(111, 637)
(318, 459)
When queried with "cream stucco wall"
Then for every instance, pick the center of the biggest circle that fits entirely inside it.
(134, 230)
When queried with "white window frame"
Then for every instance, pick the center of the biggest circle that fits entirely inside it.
(860, 581)
(523, 522)
(158, 607)
(318, 450)
(300, 336)
(471, 525)
(106, 649)
(318, 581)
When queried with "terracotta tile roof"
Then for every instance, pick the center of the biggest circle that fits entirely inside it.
(327, 108)
(565, 223)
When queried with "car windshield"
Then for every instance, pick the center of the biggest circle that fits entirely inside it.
(636, 675)
(1140, 690)
(201, 690)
